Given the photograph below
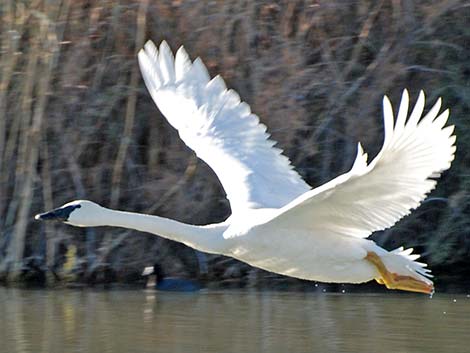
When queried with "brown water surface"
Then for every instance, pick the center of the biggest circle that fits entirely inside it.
(33, 321)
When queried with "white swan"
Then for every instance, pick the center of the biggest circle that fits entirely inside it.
(278, 222)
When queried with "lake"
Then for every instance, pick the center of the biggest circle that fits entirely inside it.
(139, 321)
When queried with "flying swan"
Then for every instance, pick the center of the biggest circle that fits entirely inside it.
(278, 222)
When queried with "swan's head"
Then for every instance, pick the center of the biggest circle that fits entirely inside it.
(80, 213)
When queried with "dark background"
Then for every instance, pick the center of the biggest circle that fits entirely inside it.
(77, 122)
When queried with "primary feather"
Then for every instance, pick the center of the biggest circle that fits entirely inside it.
(221, 129)
(372, 197)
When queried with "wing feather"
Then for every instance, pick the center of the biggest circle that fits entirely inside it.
(221, 129)
(374, 197)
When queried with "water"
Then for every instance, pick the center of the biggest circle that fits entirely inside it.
(149, 321)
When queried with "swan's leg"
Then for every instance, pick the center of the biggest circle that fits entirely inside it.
(395, 281)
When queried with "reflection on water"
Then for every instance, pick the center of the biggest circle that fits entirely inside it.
(149, 321)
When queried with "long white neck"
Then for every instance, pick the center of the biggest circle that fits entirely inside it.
(205, 238)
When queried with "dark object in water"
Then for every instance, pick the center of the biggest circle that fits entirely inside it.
(157, 279)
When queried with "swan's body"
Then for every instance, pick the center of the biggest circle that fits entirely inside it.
(278, 222)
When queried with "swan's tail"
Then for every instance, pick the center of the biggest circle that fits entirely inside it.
(400, 270)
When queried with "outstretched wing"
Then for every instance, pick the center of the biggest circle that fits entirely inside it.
(375, 196)
(221, 129)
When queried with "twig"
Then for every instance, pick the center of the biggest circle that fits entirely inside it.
(130, 109)
(109, 246)
(32, 153)
(188, 174)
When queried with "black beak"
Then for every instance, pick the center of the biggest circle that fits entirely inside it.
(59, 214)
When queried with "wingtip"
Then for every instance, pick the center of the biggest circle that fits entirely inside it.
(360, 163)
(421, 94)
(417, 111)
(182, 52)
(360, 150)
(164, 47)
(388, 120)
(385, 99)
(150, 46)
(387, 107)
(200, 70)
(182, 63)
(432, 113)
(217, 85)
(402, 112)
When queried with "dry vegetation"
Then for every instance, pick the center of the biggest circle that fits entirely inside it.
(77, 122)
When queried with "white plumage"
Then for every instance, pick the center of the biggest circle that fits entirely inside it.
(278, 222)
(221, 129)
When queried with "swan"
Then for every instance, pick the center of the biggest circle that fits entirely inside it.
(278, 222)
